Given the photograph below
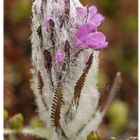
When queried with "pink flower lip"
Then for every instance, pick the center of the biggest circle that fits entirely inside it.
(96, 40)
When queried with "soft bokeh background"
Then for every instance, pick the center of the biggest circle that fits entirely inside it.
(120, 27)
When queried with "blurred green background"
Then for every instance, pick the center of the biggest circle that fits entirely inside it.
(121, 28)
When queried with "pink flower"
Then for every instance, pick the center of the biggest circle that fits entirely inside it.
(47, 19)
(59, 57)
(86, 35)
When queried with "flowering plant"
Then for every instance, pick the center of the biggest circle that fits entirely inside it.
(65, 47)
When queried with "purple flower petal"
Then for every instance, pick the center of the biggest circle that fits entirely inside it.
(92, 11)
(102, 45)
(82, 11)
(83, 38)
(97, 19)
(47, 19)
(59, 57)
(91, 42)
(85, 29)
(99, 36)
(96, 40)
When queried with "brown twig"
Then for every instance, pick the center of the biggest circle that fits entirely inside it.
(113, 91)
